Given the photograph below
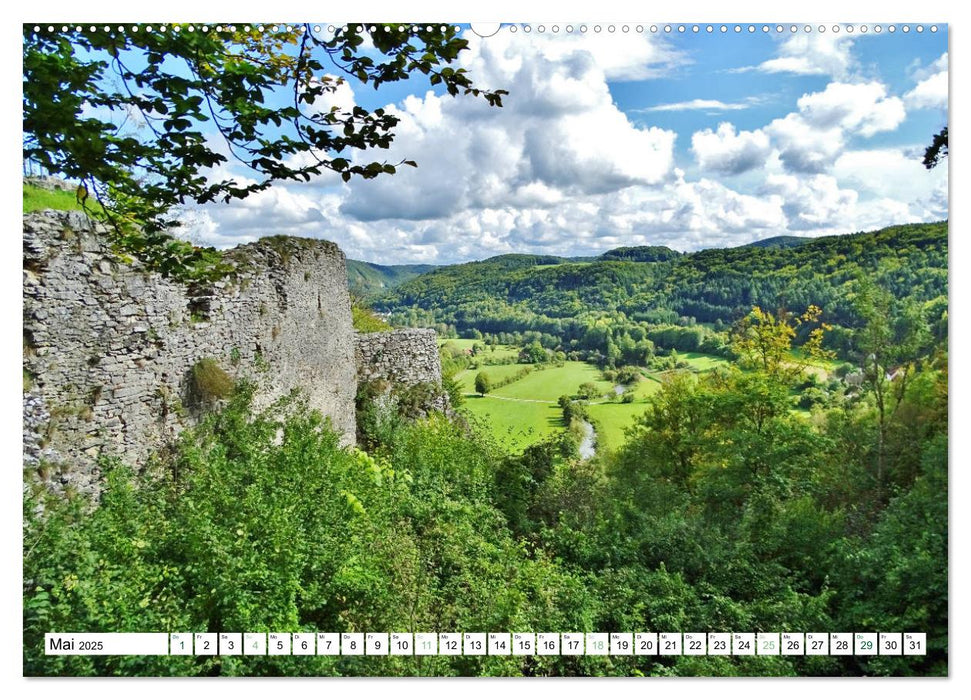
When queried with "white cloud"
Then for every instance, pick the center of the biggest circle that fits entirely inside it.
(864, 108)
(717, 210)
(931, 91)
(338, 93)
(802, 147)
(560, 169)
(298, 212)
(811, 54)
(558, 134)
(699, 104)
(729, 152)
(812, 202)
(632, 56)
(920, 72)
(821, 205)
(810, 140)
(889, 172)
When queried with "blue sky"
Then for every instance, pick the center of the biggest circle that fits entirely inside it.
(690, 140)
(889, 58)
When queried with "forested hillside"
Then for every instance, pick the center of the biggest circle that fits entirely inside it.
(682, 302)
(779, 242)
(368, 279)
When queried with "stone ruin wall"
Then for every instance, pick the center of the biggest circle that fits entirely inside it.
(109, 346)
(403, 357)
(406, 356)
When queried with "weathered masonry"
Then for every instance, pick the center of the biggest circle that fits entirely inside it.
(112, 351)
(406, 356)
(109, 347)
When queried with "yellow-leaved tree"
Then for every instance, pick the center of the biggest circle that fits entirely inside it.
(764, 341)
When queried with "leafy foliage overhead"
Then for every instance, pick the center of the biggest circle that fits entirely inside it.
(263, 92)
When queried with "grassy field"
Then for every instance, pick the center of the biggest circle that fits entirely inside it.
(700, 362)
(525, 411)
(612, 419)
(550, 384)
(647, 386)
(515, 424)
(497, 373)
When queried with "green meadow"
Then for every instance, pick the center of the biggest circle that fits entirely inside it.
(514, 424)
(526, 411)
(647, 385)
(552, 383)
(496, 373)
(700, 362)
(612, 420)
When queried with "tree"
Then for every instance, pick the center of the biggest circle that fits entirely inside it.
(263, 91)
(667, 438)
(587, 391)
(889, 343)
(937, 151)
(534, 353)
(483, 385)
(763, 341)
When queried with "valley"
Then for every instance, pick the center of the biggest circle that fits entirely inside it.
(526, 411)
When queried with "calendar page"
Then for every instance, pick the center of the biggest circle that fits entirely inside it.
(519, 349)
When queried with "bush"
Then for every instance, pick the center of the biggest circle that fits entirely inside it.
(812, 396)
(226, 537)
(417, 400)
(365, 321)
(534, 353)
(588, 390)
(483, 385)
(209, 383)
(454, 390)
(628, 375)
(227, 533)
(572, 410)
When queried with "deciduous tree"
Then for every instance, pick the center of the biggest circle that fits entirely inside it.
(212, 96)
(483, 385)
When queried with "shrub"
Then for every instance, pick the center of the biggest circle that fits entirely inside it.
(628, 375)
(483, 385)
(417, 400)
(454, 390)
(588, 390)
(227, 534)
(209, 382)
(364, 319)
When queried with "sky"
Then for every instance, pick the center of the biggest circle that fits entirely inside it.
(689, 140)
(611, 138)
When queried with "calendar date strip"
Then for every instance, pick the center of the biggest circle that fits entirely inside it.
(487, 644)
